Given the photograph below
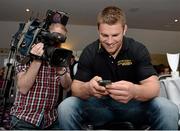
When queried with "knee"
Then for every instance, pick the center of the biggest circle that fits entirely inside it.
(165, 107)
(69, 105)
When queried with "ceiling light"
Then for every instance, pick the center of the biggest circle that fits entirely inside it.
(27, 10)
(176, 20)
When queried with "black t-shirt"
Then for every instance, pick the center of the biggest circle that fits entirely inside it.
(131, 64)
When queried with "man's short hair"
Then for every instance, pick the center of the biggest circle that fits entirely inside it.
(54, 25)
(111, 15)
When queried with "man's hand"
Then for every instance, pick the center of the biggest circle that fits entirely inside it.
(95, 89)
(65, 77)
(63, 70)
(37, 49)
(121, 91)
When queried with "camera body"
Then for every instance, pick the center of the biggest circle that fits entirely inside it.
(35, 31)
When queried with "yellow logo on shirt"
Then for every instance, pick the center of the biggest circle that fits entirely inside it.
(124, 62)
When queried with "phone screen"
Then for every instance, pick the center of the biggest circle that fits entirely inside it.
(104, 82)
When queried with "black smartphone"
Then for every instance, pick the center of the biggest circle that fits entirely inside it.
(104, 82)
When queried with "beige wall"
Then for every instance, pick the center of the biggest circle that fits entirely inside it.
(80, 35)
(159, 59)
(157, 42)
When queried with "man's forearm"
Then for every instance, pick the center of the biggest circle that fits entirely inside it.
(80, 89)
(147, 90)
(26, 79)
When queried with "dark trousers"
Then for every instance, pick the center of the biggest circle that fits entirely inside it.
(19, 124)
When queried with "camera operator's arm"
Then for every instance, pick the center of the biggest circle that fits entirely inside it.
(65, 77)
(25, 80)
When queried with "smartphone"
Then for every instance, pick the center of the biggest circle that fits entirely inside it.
(104, 82)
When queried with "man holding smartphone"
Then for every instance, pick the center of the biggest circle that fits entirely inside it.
(132, 94)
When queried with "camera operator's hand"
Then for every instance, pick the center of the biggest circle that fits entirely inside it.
(95, 89)
(63, 70)
(65, 77)
(37, 49)
(25, 80)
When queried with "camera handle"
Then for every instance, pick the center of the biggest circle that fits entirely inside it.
(32, 42)
(64, 71)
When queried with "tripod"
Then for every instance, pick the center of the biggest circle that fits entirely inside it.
(17, 39)
(8, 82)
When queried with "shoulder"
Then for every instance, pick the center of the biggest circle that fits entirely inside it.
(134, 47)
(88, 54)
(91, 49)
(132, 44)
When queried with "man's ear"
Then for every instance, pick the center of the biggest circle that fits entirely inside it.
(125, 29)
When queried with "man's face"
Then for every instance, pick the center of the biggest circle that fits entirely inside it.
(58, 28)
(111, 36)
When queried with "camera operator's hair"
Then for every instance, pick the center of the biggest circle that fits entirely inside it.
(111, 15)
(54, 25)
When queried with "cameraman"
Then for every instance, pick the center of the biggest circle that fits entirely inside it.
(38, 86)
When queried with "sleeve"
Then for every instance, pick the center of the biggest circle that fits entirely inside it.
(21, 67)
(145, 68)
(84, 68)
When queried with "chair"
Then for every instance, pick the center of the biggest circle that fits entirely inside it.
(121, 126)
(173, 61)
(161, 77)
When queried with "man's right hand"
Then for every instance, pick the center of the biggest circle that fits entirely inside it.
(37, 49)
(95, 89)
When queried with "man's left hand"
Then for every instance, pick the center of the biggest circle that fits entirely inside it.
(121, 91)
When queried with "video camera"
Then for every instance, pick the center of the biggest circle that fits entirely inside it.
(35, 31)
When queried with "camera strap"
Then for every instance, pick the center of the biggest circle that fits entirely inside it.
(24, 31)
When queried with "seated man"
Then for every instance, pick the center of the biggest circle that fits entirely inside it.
(132, 94)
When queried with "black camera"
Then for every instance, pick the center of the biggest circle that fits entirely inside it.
(35, 31)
